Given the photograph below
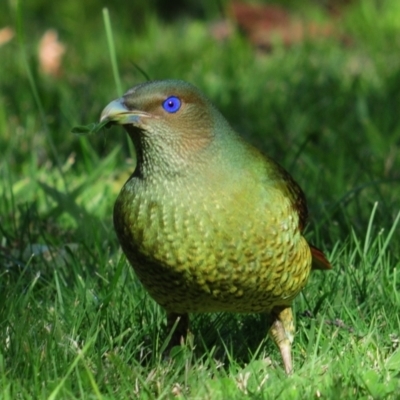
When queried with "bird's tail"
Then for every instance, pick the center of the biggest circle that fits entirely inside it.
(319, 261)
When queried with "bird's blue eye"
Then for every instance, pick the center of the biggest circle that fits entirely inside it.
(172, 104)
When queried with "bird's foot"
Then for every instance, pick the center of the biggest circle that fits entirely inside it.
(282, 333)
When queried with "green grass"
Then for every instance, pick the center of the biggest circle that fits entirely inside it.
(74, 320)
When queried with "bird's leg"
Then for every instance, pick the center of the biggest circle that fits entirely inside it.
(179, 323)
(282, 333)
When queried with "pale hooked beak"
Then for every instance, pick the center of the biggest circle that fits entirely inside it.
(116, 112)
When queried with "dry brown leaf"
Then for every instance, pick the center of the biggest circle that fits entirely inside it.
(6, 34)
(263, 23)
(50, 53)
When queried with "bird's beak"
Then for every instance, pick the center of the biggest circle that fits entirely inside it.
(116, 112)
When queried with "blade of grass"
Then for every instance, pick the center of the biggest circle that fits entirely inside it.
(80, 355)
(369, 229)
(111, 49)
(35, 92)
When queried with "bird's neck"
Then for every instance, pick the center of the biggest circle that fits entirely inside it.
(169, 160)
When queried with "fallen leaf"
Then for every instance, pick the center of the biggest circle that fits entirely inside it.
(50, 53)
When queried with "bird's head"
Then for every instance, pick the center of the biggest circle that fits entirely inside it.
(171, 123)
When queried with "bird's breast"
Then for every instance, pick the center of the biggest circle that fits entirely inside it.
(196, 249)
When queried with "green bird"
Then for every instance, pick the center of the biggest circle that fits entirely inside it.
(208, 222)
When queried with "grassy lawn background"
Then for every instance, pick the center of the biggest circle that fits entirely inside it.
(74, 320)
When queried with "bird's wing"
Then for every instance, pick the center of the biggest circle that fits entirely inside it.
(299, 204)
(294, 193)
